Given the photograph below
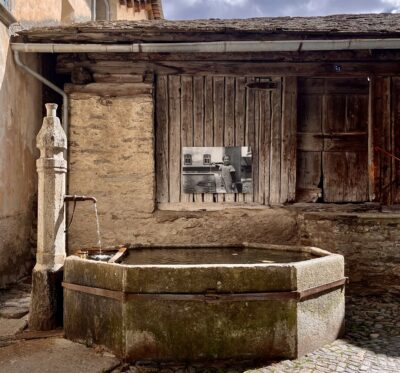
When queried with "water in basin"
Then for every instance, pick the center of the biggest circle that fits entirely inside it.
(187, 256)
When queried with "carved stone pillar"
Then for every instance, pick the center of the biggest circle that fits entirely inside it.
(46, 305)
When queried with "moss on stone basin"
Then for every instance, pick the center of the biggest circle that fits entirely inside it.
(197, 311)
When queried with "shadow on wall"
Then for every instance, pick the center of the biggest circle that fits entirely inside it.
(20, 118)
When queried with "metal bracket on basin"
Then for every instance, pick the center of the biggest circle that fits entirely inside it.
(209, 297)
(309, 293)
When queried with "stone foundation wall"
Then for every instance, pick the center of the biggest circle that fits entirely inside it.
(370, 243)
(112, 158)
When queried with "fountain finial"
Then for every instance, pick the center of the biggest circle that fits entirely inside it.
(51, 110)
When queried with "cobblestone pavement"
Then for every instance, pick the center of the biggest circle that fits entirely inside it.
(371, 344)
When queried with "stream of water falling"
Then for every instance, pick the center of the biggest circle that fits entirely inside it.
(98, 228)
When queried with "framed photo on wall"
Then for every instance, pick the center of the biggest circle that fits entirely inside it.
(216, 170)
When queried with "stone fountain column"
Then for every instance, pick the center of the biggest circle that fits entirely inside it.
(46, 304)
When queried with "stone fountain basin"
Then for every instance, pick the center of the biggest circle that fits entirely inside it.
(207, 302)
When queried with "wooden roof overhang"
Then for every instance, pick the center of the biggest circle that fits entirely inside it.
(364, 62)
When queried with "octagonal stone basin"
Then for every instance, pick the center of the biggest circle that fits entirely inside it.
(207, 302)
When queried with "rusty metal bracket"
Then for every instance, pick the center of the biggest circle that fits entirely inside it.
(209, 297)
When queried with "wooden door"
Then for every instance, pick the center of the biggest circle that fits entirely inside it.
(333, 140)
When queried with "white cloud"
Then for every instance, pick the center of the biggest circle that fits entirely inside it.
(192, 9)
(394, 4)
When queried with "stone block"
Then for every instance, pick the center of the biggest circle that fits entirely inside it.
(46, 304)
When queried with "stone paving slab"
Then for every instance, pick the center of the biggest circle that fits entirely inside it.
(10, 327)
(54, 355)
(13, 312)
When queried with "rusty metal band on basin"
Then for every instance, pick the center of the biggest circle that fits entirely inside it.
(208, 296)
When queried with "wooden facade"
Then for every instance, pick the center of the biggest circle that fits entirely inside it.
(313, 139)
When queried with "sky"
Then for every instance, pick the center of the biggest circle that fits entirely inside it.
(198, 9)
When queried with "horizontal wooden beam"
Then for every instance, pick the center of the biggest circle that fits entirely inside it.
(118, 78)
(309, 69)
(295, 57)
(110, 89)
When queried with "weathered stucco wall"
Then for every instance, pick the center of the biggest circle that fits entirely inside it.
(50, 12)
(112, 158)
(20, 117)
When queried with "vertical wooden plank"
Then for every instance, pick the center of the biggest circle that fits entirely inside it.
(162, 139)
(276, 141)
(386, 141)
(240, 112)
(309, 139)
(174, 86)
(335, 173)
(309, 176)
(371, 144)
(377, 84)
(198, 105)
(198, 123)
(250, 139)
(289, 140)
(396, 137)
(186, 120)
(264, 148)
(356, 181)
(208, 120)
(219, 110)
(393, 185)
(257, 157)
(334, 165)
(229, 124)
(240, 119)
(219, 117)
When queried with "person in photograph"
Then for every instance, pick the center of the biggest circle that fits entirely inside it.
(228, 174)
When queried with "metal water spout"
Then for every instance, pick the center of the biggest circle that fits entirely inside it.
(75, 198)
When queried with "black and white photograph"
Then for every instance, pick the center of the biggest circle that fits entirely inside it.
(217, 169)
